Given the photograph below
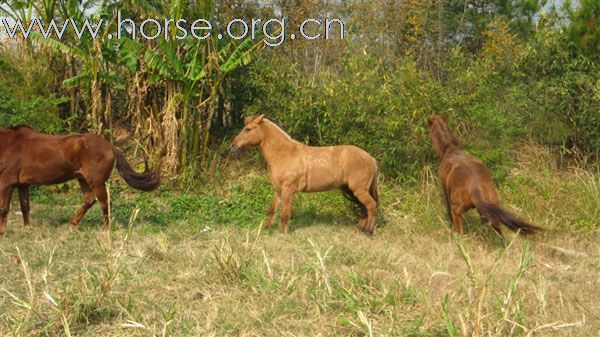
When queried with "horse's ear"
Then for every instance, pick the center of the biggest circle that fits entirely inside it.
(445, 117)
(430, 121)
(259, 119)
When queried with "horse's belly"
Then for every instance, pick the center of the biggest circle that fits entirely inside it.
(39, 176)
(321, 179)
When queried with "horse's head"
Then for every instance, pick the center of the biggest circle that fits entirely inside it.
(441, 137)
(251, 135)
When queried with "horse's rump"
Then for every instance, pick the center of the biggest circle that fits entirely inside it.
(326, 168)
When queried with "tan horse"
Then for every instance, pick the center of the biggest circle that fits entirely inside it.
(296, 167)
(467, 184)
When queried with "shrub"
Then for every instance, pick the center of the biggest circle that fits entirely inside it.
(24, 102)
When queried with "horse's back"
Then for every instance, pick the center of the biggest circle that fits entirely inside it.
(342, 155)
(461, 172)
(69, 147)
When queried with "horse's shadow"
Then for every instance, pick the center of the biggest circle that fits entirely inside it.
(483, 231)
(334, 215)
(61, 216)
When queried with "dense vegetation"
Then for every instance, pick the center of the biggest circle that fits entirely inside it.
(504, 71)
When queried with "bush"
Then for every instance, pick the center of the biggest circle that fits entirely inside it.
(384, 110)
(512, 91)
(24, 102)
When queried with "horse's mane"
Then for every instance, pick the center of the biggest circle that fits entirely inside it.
(278, 128)
(442, 135)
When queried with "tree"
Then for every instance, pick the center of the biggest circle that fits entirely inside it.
(584, 27)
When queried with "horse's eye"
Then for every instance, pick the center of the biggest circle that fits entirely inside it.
(248, 129)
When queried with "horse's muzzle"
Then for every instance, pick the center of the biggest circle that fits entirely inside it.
(234, 148)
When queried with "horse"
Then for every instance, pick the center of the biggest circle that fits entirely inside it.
(28, 157)
(296, 167)
(467, 184)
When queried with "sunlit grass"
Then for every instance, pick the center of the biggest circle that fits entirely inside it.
(189, 264)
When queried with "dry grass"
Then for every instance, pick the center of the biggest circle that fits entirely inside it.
(413, 278)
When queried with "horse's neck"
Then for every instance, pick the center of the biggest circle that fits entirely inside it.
(276, 144)
(444, 142)
(450, 150)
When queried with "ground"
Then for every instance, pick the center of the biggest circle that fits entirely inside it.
(200, 264)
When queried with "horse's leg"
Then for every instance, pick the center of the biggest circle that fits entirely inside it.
(102, 196)
(457, 213)
(272, 209)
(483, 217)
(24, 200)
(362, 219)
(447, 199)
(496, 226)
(371, 205)
(287, 197)
(5, 193)
(88, 202)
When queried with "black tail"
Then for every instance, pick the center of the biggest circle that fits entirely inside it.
(495, 213)
(374, 189)
(358, 206)
(147, 181)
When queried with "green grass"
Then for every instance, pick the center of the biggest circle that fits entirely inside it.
(198, 262)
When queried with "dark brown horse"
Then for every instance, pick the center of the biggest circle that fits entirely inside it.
(467, 184)
(296, 167)
(28, 157)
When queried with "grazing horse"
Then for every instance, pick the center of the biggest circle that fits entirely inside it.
(467, 184)
(296, 167)
(28, 157)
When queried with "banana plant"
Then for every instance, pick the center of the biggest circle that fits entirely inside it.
(193, 68)
(90, 58)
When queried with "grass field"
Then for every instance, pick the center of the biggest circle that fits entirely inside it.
(199, 263)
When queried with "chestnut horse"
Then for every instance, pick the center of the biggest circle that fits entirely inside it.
(296, 167)
(467, 184)
(28, 157)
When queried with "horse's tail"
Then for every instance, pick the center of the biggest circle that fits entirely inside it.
(374, 189)
(495, 213)
(146, 181)
(358, 206)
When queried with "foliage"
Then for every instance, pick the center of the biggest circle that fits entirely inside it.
(503, 71)
(169, 90)
(21, 104)
(518, 85)
(584, 29)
